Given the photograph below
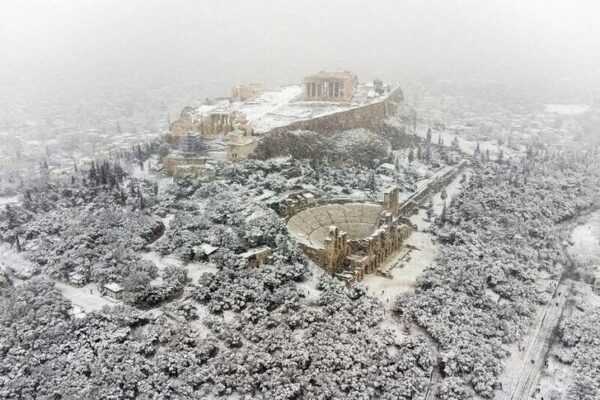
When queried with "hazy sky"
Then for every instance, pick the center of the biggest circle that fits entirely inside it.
(219, 43)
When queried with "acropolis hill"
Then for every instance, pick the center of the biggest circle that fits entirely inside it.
(326, 102)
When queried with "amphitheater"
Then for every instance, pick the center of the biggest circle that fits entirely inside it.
(350, 240)
(311, 227)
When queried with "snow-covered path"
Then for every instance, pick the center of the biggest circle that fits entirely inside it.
(532, 360)
(419, 251)
(527, 371)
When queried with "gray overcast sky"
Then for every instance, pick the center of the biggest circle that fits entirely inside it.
(220, 43)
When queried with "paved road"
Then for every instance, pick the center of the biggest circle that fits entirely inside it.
(533, 364)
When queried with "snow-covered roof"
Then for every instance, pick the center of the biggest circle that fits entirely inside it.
(74, 276)
(255, 251)
(387, 166)
(113, 287)
(208, 249)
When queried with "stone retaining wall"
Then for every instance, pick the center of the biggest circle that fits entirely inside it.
(367, 116)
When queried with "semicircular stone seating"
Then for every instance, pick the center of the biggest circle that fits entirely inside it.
(311, 226)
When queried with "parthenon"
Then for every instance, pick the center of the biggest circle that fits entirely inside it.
(330, 86)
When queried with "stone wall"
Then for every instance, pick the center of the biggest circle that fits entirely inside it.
(240, 146)
(181, 166)
(419, 197)
(367, 116)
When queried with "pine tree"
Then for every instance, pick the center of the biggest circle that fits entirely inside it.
(132, 186)
(428, 134)
(429, 210)
(371, 184)
(443, 216)
(428, 154)
(411, 156)
(17, 244)
(92, 174)
(123, 196)
(142, 203)
(444, 194)
(103, 179)
(529, 152)
(10, 215)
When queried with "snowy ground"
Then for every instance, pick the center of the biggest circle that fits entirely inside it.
(309, 287)
(195, 269)
(586, 241)
(84, 299)
(10, 259)
(4, 200)
(409, 263)
(408, 266)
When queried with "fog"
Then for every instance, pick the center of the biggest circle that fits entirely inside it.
(300, 199)
(73, 46)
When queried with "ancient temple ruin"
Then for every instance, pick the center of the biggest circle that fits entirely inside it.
(330, 86)
(326, 102)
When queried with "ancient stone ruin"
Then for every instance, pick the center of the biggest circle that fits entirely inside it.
(352, 239)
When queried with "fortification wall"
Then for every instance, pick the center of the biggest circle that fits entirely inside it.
(367, 116)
